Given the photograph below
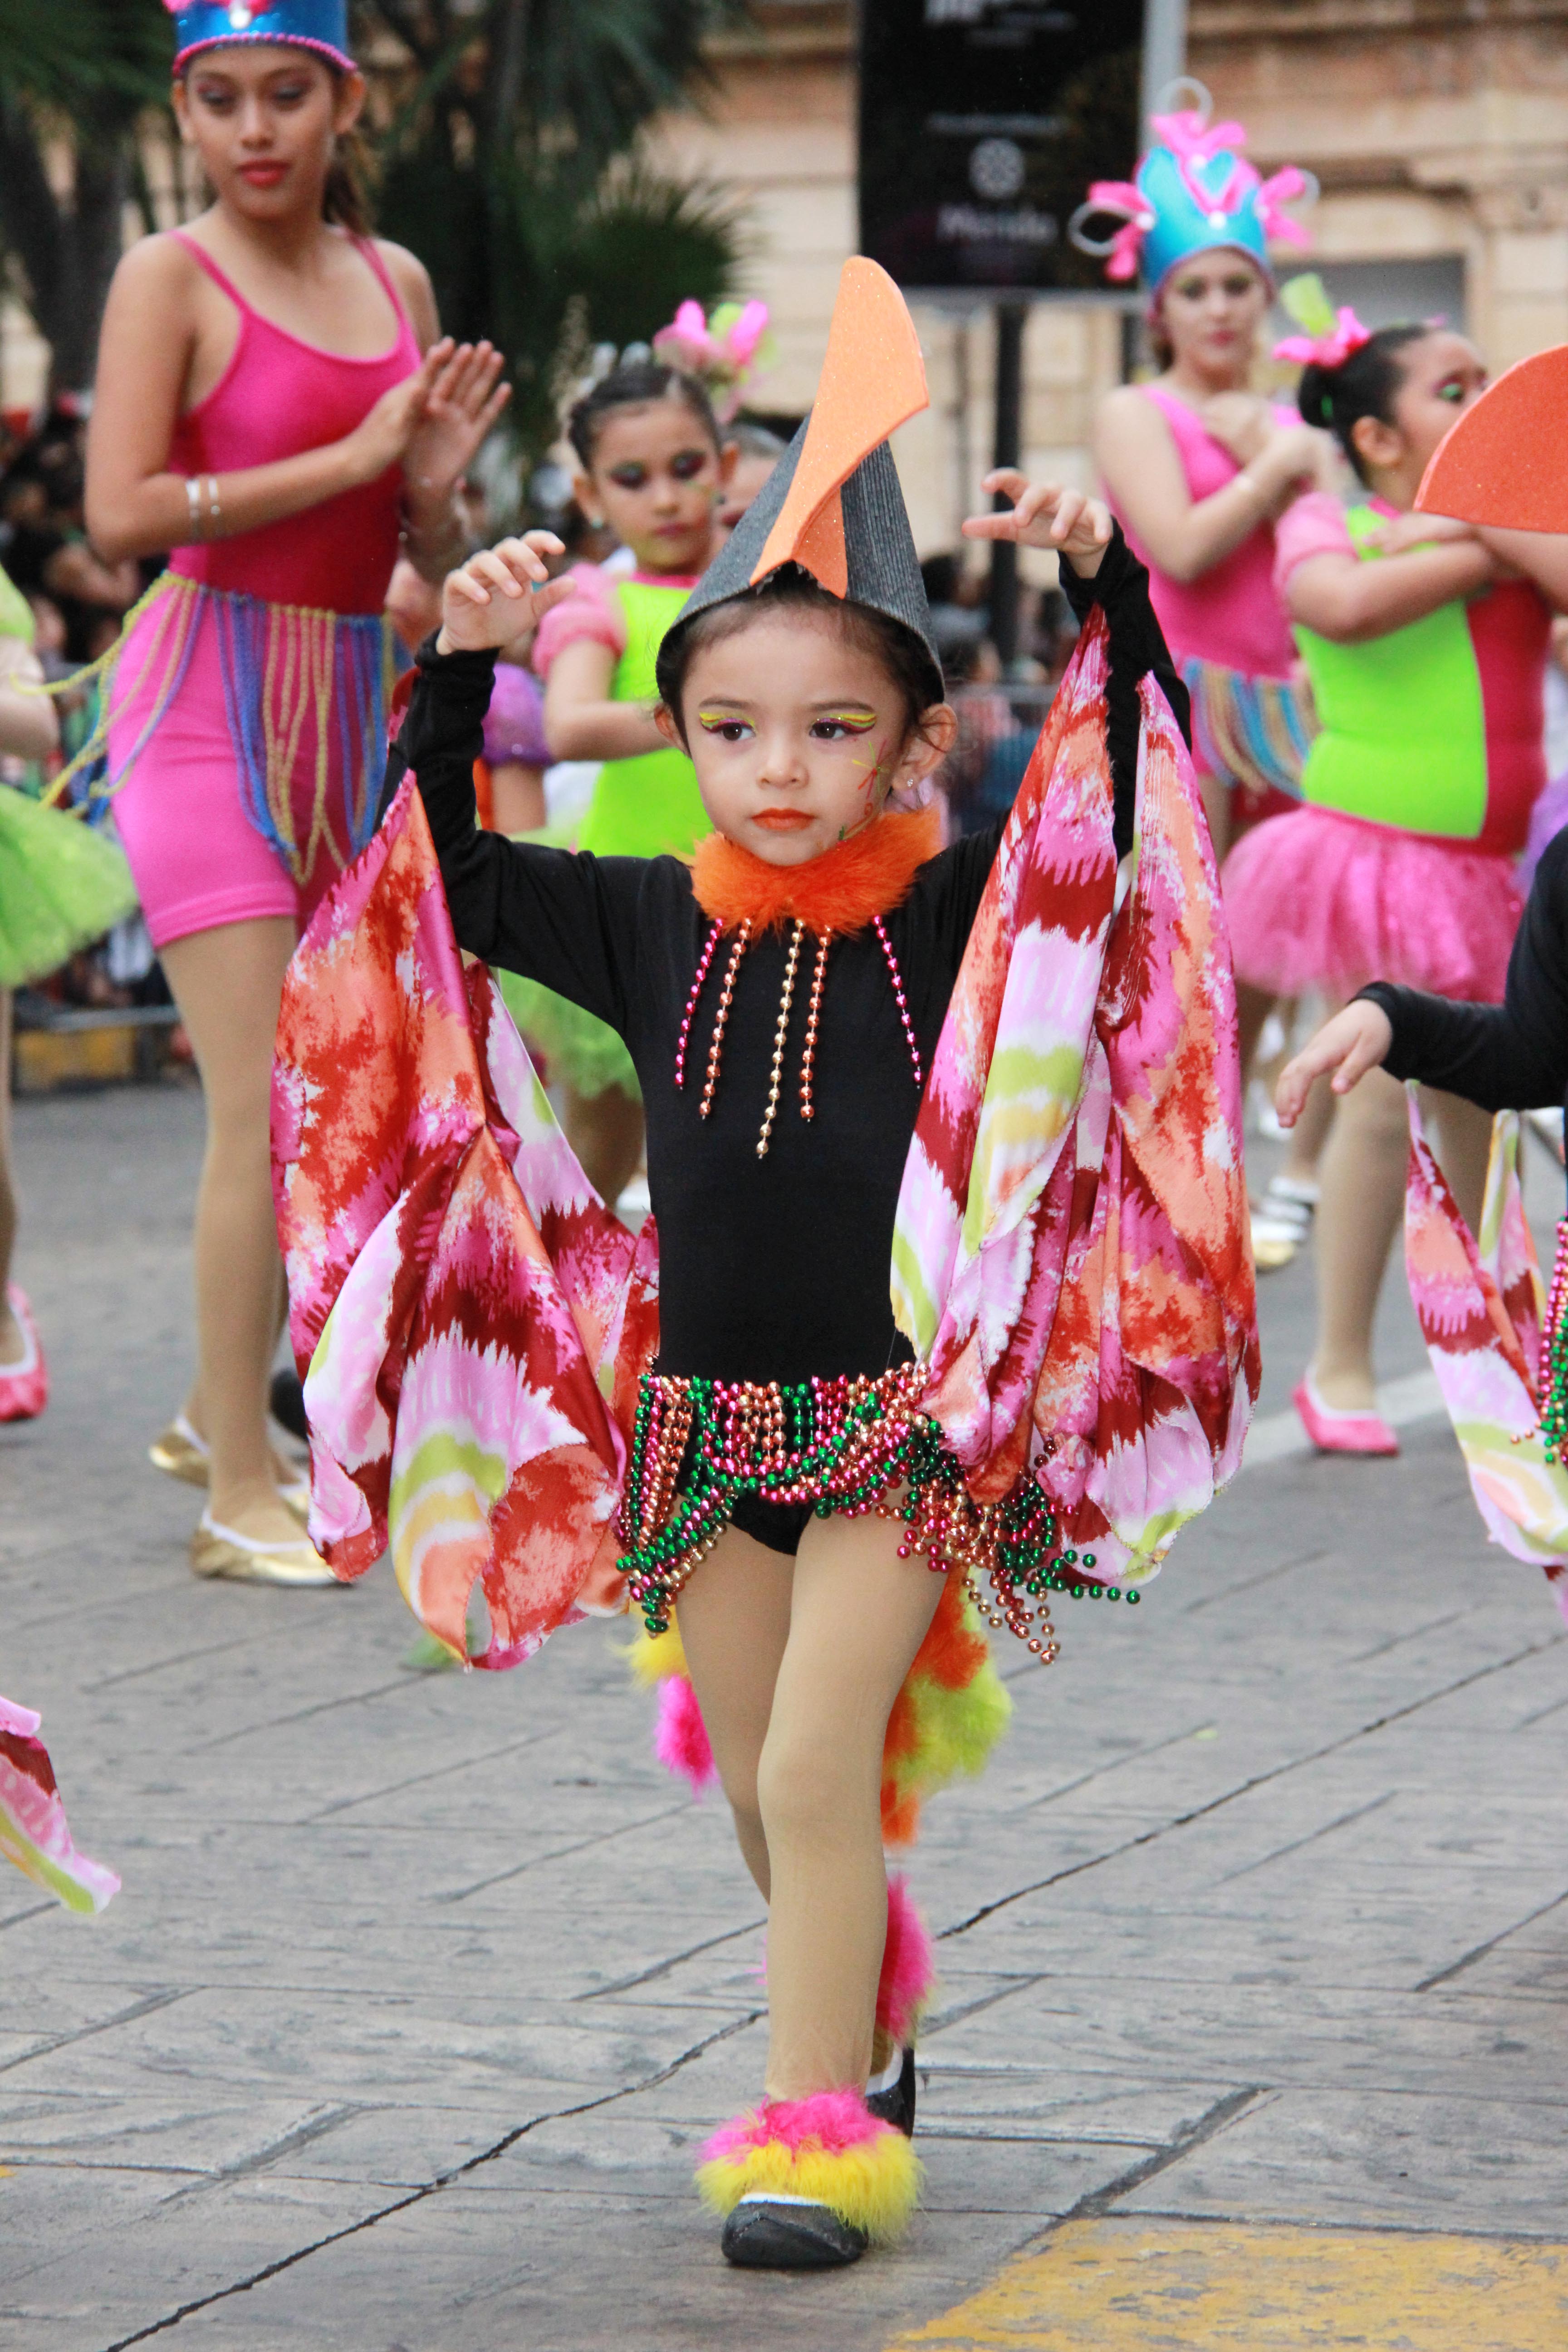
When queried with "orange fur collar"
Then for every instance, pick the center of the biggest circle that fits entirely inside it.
(869, 874)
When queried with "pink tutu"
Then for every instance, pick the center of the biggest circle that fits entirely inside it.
(1315, 900)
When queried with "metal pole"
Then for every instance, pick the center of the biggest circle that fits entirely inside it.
(1165, 51)
(1006, 451)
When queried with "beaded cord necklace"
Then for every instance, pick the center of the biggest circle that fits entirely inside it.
(786, 1003)
(844, 1445)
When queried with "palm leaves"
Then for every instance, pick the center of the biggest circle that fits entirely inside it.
(508, 168)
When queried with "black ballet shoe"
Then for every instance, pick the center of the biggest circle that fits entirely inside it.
(789, 2233)
(287, 1400)
(895, 2101)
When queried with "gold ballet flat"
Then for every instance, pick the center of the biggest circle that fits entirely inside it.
(180, 1453)
(220, 1551)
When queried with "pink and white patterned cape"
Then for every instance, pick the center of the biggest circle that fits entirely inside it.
(1481, 1308)
(33, 1831)
(1070, 1254)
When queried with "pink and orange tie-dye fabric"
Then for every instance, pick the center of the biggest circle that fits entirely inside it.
(468, 1316)
(33, 1831)
(1481, 1308)
(1071, 1255)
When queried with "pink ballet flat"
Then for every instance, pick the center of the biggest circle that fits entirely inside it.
(1334, 1431)
(24, 1387)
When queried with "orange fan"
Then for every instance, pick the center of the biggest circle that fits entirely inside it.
(1505, 461)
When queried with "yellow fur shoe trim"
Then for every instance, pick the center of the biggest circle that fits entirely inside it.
(826, 2149)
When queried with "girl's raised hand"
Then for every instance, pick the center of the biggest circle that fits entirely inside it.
(1353, 1042)
(464, 402)
(498, 597)
(1045, 514)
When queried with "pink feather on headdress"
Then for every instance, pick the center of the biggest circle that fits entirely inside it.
(1280, 189)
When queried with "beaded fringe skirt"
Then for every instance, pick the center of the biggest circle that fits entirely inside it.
(851, 1444)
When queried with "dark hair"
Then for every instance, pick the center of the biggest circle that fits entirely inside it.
(909, 664)
(1367, 385)
(633, 386)
(345, 199)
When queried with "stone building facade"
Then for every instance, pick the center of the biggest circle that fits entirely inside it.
(1438, 129)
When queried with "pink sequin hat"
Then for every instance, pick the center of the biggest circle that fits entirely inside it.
(1195, 193)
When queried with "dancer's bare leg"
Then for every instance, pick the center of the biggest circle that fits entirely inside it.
(1464, 1147)
(1310, 1135)
(1217, 807)
(13, 1346)
(517, 796)
(796, 1665)
(228, 984)
(605, 1131)
(858, 1617)
(734, 1616)
(1362, 1201)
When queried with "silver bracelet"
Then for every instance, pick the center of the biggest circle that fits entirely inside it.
(215, 508)
(194, 499)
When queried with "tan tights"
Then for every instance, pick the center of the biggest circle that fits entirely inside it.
(1359, 1212)
(228, 984)
(796, 1665)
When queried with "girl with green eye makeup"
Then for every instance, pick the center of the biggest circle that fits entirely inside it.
(1426, 643)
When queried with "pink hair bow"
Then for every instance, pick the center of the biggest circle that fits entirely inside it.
(1331, 351)
(724, 350)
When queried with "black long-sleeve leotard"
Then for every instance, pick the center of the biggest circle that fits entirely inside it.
(1507, 1056)
(773, 1268)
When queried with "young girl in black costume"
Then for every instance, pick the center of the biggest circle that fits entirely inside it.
(782, 997)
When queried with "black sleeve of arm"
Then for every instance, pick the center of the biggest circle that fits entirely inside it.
(568, 921)
(1507, 1056)
(1120, 589)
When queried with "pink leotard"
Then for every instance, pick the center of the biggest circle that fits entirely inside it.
(1231, 614)
(195, 849)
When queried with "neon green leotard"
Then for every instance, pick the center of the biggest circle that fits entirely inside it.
(649, 805)
(1435, 727)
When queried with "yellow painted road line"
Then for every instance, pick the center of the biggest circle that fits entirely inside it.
(1125, 2285)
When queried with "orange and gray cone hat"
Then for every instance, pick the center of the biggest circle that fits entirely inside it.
(833, 504)
(1502, 462)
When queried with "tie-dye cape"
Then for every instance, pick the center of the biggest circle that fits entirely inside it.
(1481, 1308)
(470, 1321)
(33, 1831)
(1070, 1254)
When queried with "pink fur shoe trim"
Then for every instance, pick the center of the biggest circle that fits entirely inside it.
(909, 1966)
(681, 1739)
(830, 2121)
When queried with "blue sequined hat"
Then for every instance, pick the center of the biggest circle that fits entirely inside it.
(1195, 193)
(319, 24)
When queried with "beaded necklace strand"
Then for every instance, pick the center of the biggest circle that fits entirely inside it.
(854, 1445)
(781, 1031)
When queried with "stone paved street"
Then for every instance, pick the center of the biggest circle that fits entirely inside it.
(422, 1989)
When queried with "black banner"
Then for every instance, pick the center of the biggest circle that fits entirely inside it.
(982, 124)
